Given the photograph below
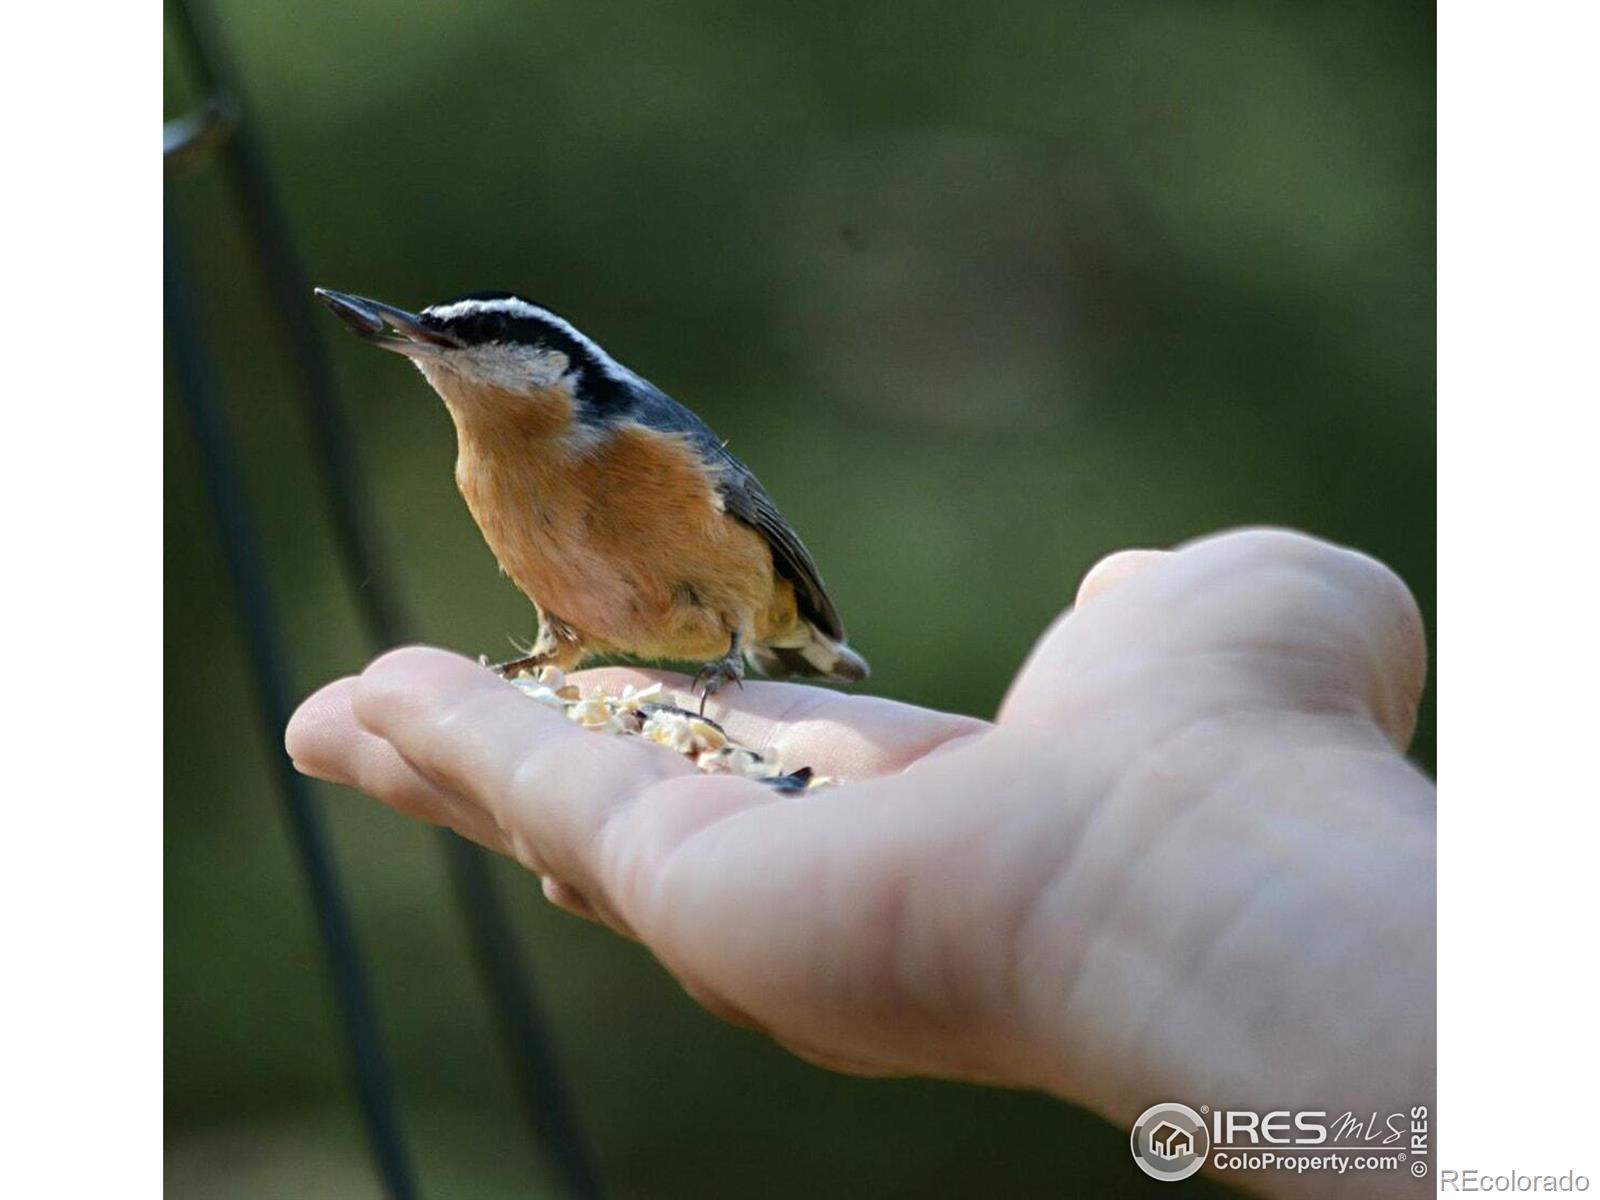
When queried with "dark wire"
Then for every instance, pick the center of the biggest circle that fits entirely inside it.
(532, 1058)
(241, 553)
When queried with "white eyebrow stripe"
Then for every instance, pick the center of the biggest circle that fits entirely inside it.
(508, 304)
(521, 308)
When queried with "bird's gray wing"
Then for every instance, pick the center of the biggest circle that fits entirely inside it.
(748, 500)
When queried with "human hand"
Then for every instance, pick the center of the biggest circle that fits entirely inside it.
(1186, 860)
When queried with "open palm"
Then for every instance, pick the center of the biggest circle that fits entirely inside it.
(1190, 818)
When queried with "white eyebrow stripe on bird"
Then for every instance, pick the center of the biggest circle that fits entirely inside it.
(515, 307)
(505, 304)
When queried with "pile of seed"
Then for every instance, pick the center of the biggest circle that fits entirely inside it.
(645, 712)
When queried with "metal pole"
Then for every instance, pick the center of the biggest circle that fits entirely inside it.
(242, 558)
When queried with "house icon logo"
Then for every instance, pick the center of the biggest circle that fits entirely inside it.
(1170, 1141)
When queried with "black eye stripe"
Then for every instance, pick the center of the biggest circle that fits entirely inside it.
(485, 328)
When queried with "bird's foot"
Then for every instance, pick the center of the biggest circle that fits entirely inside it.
(548, 650)
(714, 675)
(513, 667)
(529, 659)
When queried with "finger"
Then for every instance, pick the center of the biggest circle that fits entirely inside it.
(841, 734)
(1113, 569)
(566, 797)
(323, 731)
(1248, 620)
(326, 740)
(1324, 628)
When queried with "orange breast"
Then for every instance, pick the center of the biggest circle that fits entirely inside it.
(622, 536)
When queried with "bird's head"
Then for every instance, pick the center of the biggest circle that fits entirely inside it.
(488, 350)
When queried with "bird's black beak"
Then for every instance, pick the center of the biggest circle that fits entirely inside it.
(386, 326)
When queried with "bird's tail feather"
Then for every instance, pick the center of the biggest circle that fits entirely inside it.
(812, 655)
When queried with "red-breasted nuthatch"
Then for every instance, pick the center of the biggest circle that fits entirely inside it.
(612, 507)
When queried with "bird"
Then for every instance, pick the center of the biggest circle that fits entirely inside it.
(615, 510)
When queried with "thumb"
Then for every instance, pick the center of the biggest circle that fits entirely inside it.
(1250, 619)
(1113, 569)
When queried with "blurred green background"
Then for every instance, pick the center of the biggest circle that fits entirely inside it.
(982, 292)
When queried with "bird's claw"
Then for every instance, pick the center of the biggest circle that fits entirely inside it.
(513, 667)
(714, 676)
